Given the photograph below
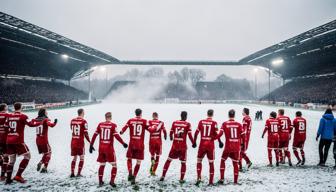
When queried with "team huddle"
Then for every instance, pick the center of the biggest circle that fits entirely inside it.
(236, 134)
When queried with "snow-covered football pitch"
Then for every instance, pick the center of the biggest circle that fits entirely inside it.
(258, 178)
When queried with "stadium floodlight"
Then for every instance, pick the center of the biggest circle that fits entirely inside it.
(65, 56)
(277, 62)
(102, 69)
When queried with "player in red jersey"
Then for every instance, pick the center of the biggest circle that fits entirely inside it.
(107, 132)
(247, 125)
(79, 129)
(208, 130)
(136, 148)
(300, 127)
(15, 143)
(233, 136)
(284, 136)
(155, 142)
(3, 137)
(179, 131)
(272, 127)
(42, 138)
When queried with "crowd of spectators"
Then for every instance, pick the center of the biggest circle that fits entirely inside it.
(307, 90)
(22, 90)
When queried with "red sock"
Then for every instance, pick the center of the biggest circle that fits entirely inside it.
(136, 169)
(276, 151)
(4, 166)
(165, 168)
(73, 165)
(183, 170)
(129, 166)
(235, 172)
(199, 170)
(222, 169)
(80, 166)
(9, 171)
(287, 153)
(296, 153)
(22, 166)
(46, 159)
(280, 155)
(212, 172)
(156, 163)
(101, 173)
(269, 151)
(113, 174)
(245, 157)
(303, 153)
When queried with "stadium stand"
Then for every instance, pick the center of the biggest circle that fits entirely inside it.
(320, 90)
(23, 90)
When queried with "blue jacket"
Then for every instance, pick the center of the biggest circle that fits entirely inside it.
(327, 127)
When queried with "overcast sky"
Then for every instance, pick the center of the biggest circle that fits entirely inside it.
(175, 29)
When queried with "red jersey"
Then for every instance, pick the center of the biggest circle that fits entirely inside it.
(107, 132)
(17, 122)
(158, 127)
(179, 132)
(272, 127)
(137, 127)
(42, 130)
(285, 127)
(233, 135)
(247, 124)
(3, 127)
(208, 130)
(79, 129)
(300, 126)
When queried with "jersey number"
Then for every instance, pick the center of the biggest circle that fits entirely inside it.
(105, 134)
(233, 132)
(137, 129)
(75, 130)
(39, 130)
(12, 126)
(206, 130)
(301, 126)
(284, 124)
(274, 128)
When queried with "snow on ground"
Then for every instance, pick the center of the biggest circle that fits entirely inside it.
(258, 178)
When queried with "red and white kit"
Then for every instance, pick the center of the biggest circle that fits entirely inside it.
(107, 132)
(178, 133)
(284, 137)
(247, 124)
(207, 128)
(233, 131)
(300, 127)
(79, 128)
(3, 138)
(42, 141)
(137, 127)
(272, 127)
(15, 141)
(155, 142)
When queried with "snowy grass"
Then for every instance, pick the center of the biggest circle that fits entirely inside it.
(258, 178)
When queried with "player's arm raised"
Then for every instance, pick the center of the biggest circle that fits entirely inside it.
(51, 124)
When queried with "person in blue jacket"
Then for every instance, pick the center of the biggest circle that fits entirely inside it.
(326, 130)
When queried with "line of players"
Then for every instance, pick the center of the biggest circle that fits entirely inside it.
(237, 138)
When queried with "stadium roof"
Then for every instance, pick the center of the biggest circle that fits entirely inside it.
(27, 49)
(309, 53)
(46, 50)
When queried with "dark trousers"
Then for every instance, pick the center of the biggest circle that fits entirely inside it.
(324, 149)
